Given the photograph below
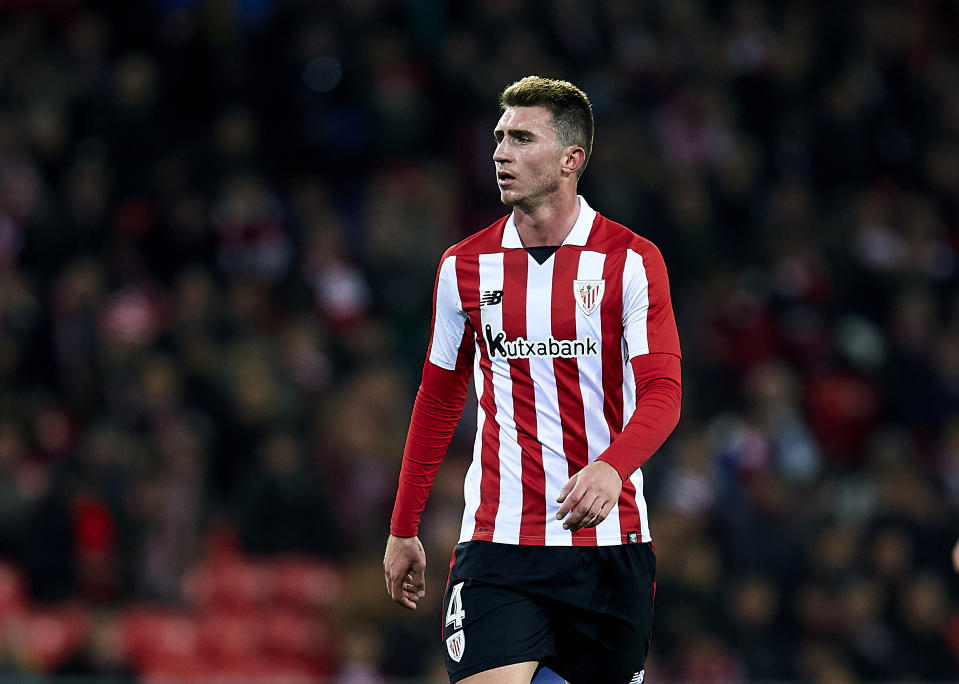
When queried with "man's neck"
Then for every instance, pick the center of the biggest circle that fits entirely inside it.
(549, 224)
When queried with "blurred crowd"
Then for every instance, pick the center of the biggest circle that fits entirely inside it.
(219, 227)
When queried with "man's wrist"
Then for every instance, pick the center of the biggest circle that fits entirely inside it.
(619, 471)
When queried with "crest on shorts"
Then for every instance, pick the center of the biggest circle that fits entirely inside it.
(588, 294)
(455, 645)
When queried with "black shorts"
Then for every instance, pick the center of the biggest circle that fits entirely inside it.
(585, 612)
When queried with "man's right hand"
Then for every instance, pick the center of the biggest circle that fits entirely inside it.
(404, 564)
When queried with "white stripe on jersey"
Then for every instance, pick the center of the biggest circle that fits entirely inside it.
(471, 485)
(506, 525)
(636, 301)
(629, 407)
(591, 386)
(447, 326)
(549, 426)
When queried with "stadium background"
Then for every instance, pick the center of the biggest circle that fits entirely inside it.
(219, 224)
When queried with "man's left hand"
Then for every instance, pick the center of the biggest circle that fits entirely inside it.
(589, 496)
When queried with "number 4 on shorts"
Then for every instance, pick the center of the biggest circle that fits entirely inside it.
(455, 613)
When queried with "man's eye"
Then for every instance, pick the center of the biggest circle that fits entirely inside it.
(524, 139)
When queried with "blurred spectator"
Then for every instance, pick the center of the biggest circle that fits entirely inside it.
(219, 227)
(280, 507)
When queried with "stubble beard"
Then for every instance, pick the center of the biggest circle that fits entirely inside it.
(532, 201)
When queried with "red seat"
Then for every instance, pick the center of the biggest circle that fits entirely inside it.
(306, 582)
(152, 634)
(229, 581)
(48, 637)
(292, 633)
(13, 589)
(183, 670)
(227, 634)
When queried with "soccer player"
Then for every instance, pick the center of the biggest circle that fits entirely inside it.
(563, 318)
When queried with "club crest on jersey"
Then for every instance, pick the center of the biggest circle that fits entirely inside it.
(455, 645)
(588, 294)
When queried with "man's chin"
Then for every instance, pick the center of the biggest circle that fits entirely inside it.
(509, 199)
(514, 202)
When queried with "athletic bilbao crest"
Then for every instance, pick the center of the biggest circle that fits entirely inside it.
(455, 645)
(588, 294)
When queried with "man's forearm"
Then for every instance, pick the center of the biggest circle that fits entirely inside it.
(436, 413)
(658, 401)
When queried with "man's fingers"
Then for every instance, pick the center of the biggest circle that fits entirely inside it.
(569, 497)
(565, 508)
(407, 588)
(415, 587)
(592, 516)
(412, 590)
(581, 514)
(567, 488)
(596, 518)
(417, 578)
(394, 585)
(404, 593)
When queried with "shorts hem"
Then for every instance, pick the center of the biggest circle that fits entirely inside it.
(498, 662)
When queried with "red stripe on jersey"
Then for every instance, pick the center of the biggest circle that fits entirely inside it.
(568, 391)
(660, 323)
(533, 521)
(612, 311)
(468, 283)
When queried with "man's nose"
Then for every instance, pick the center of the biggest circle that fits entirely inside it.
(500, 154)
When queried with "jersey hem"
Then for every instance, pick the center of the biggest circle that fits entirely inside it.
(539, 541)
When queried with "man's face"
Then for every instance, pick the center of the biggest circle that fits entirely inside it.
(527, 157)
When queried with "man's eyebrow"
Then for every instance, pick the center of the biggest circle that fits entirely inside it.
(514, 132)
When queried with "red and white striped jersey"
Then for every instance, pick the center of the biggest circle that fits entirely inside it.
(551, 345)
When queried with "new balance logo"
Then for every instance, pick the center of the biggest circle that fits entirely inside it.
(491, 297)
(638, 677)
(524, 349)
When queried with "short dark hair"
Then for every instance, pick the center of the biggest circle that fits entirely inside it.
(571, 110)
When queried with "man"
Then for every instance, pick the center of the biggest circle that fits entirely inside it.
(564, 317)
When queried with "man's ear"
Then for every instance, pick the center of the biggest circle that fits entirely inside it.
(573, 159)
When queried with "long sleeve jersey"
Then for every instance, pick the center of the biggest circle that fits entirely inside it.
(573, 360)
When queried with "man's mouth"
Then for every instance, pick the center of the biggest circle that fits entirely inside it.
(505, 178)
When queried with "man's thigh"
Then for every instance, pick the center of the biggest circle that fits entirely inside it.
(601, 621)
(518, 673)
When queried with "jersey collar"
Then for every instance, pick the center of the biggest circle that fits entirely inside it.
(577, 236)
